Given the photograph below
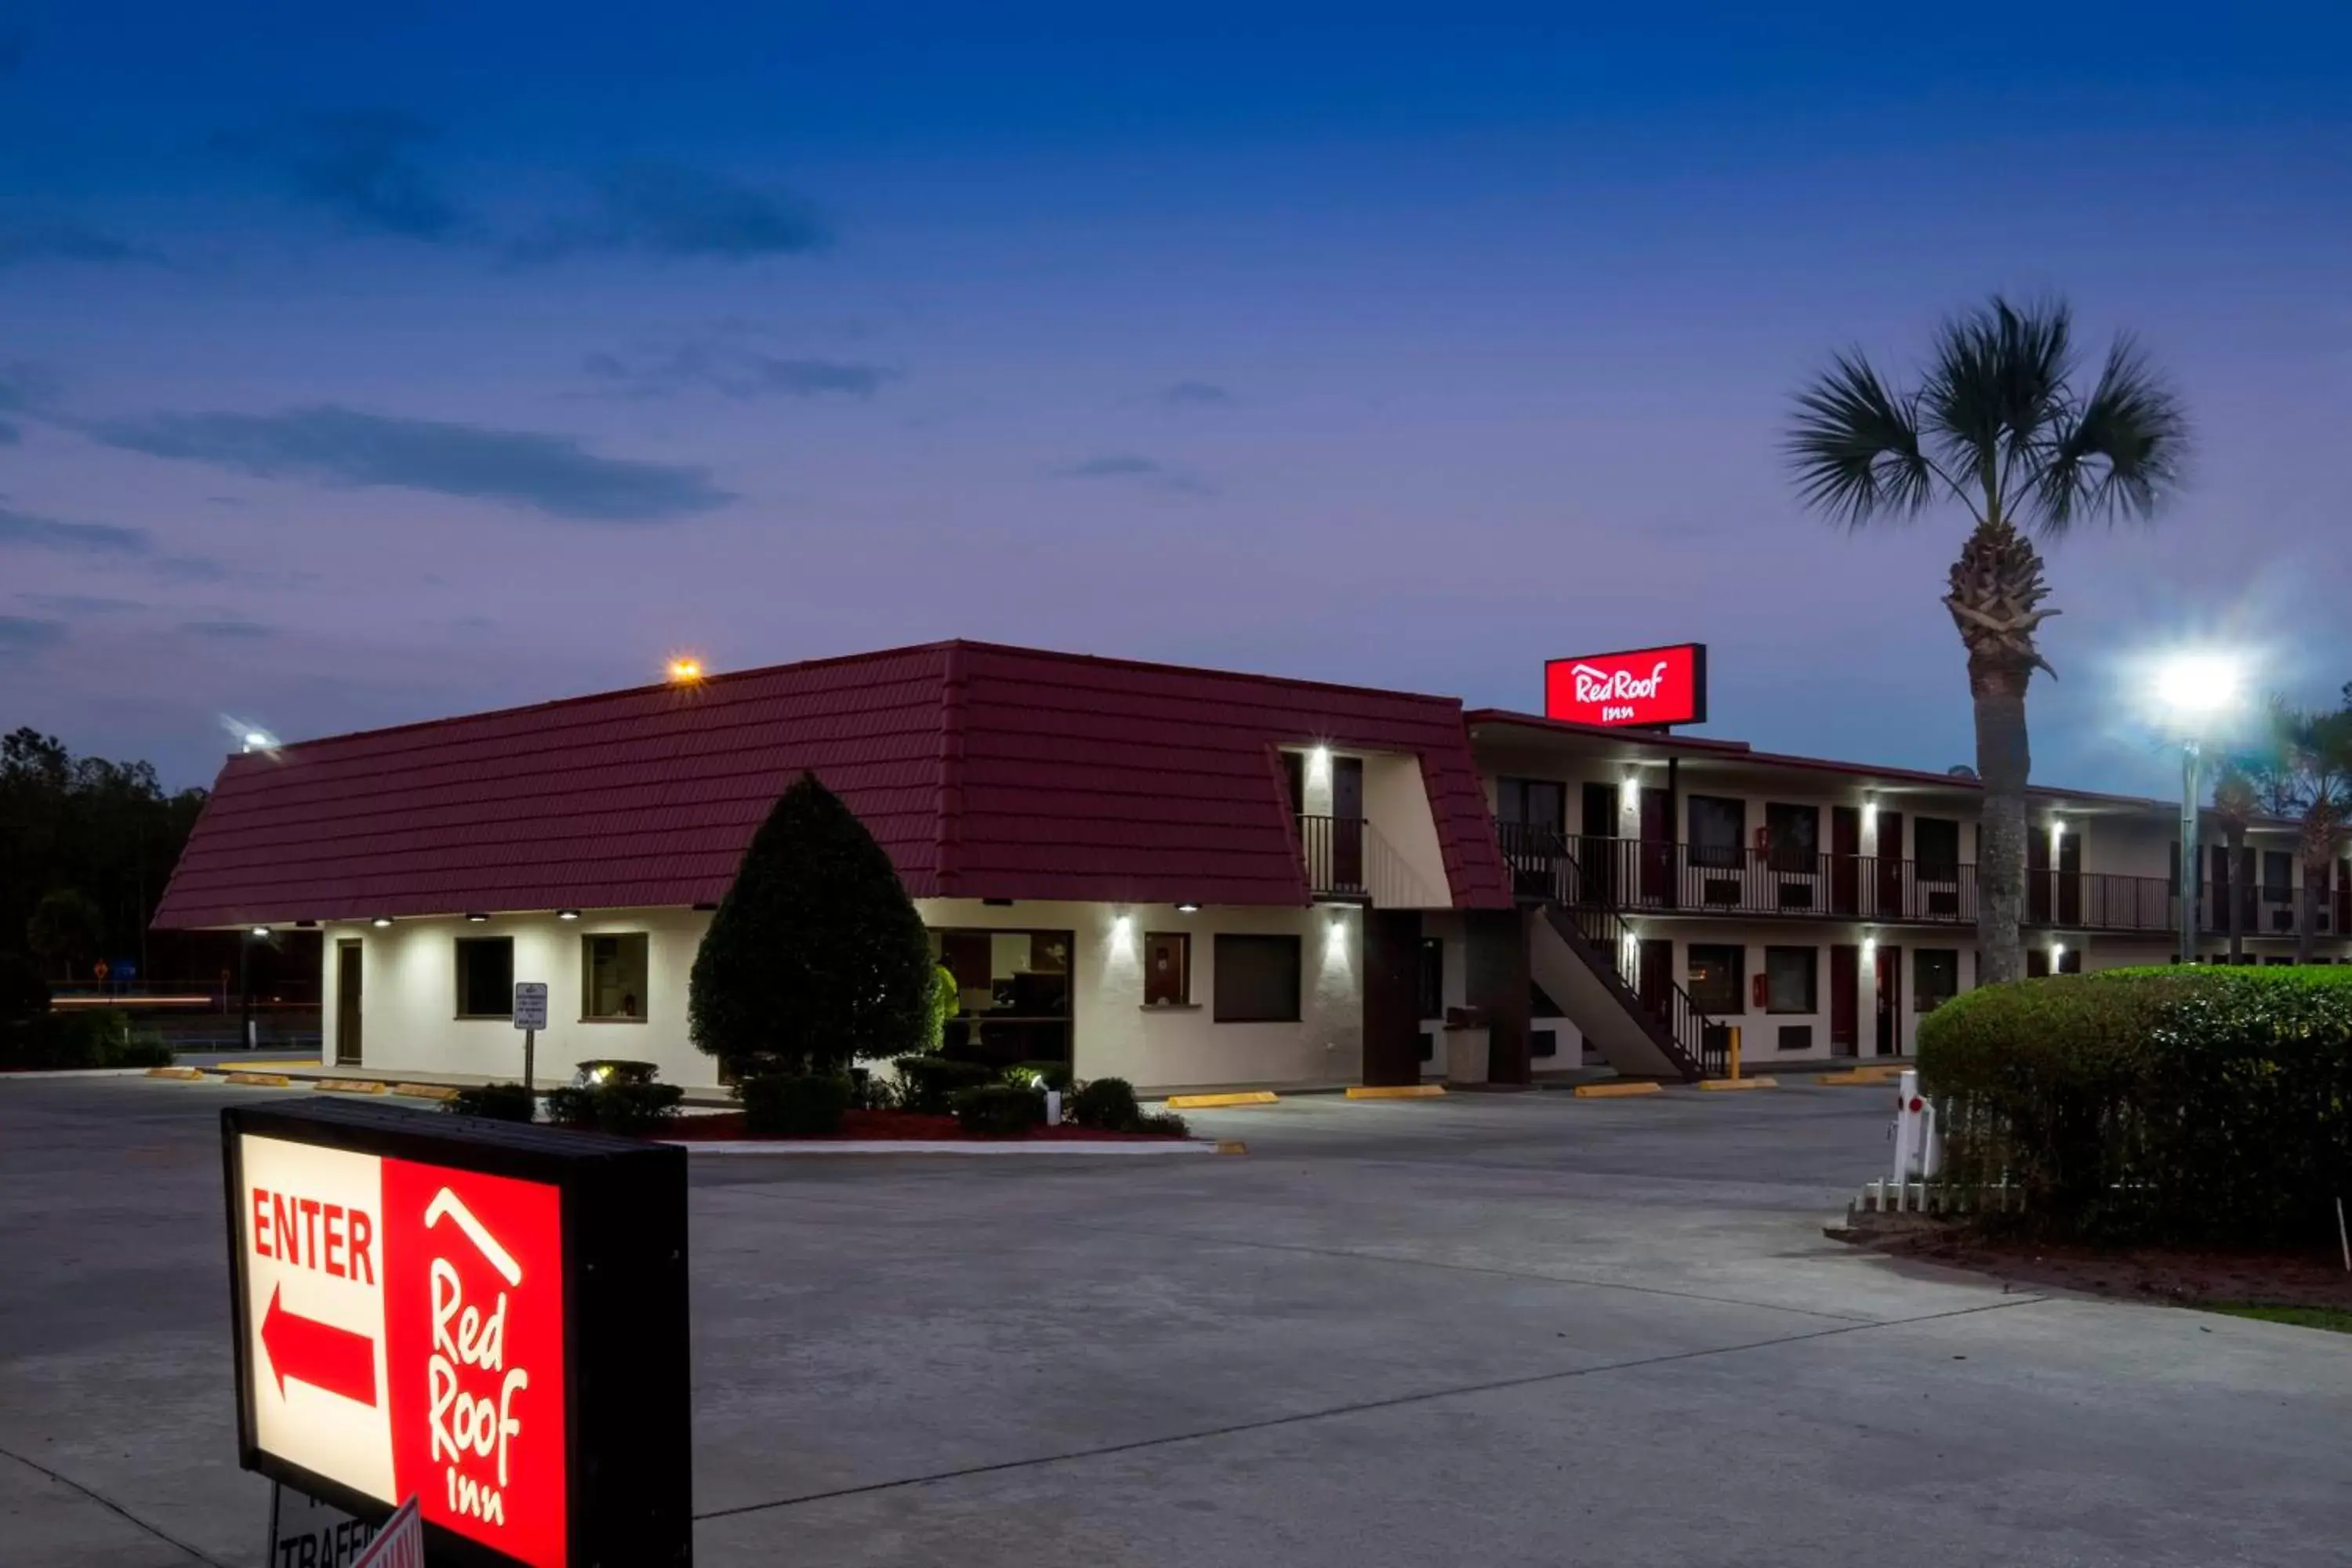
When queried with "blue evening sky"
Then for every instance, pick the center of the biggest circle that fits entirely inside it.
(362, 363)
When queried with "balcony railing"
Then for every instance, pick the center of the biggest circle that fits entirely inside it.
(2269, 909)
(1779, 882)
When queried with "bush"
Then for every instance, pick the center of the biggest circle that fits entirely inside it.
(809, 1105)
(497, 1101)
(815, 957)
(1166, 1122)
(623, 1108)
(1107, 1104)
(616, 1069)
(61, 1042)
(2198, 1105)
(998, 1109)
(929, 1084)
(1039, 1075)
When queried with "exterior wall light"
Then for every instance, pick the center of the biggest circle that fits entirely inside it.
(259, 930)
(474, 917)
(380, 922)
(685, 670)
(567, 915)
(1188, 908)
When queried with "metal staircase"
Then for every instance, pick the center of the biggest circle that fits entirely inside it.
(1546, 874)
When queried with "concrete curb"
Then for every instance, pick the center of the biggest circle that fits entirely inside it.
(1877, 1076)
(1015, 1148)
(1614, 1090)
(1733, 1085)
(1397, 1091)
(41, 1073)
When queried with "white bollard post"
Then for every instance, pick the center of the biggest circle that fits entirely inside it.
(1053, 1108)
(1918, 1149)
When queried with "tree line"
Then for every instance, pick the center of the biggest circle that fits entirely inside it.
(2297, 768)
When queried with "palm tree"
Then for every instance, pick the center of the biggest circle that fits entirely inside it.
(2237, 803)
(2317, 747)
(2001, 423)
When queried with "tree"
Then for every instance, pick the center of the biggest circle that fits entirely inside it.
(66, 930)
(816, 956)
(2236, 802)
(2002, 424)
(2316, 746)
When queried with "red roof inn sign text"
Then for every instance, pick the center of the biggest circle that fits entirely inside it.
(488, 1318)
(1647, 687)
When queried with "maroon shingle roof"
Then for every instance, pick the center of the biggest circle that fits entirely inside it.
(985, 772)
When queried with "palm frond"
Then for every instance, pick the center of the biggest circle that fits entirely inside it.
(1855, 444)
(1997, 381)
(2118, 455)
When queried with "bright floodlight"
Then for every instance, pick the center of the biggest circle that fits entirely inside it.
(2198, 685)
(685, 670)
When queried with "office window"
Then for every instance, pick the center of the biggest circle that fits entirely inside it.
(1718, 831)
(1935, 977)
(1716, 978)
(1167, 969)
(2278, 876)
(612, 976)
(1936, 845)
(1534, 802)
(1790, 976)
(1433, 978)
(1257, 980)
(1795, 835)
(486, 977)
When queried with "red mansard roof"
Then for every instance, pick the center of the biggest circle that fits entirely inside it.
(985, 772)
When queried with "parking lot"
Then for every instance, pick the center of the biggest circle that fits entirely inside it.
(1495, 1329)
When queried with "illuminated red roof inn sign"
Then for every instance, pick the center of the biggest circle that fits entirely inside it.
(479, 1315)
(1648, 687)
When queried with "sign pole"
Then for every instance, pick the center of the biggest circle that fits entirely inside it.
(530, 1037)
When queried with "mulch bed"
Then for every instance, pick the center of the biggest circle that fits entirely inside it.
(2183, 1278)
(893, 1126)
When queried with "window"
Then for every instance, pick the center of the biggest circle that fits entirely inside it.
(1433, 978)
(1935, 977)
(1936, 845)
(612, 978)
(1796, 1036)
(1168, 969)
(1790, 976)
(1795, 835)
(1715, 978)
(1534, 803)
(1013, 993)
(486, 977)
(1256, 979)
(2278, 876)
(1718, 831)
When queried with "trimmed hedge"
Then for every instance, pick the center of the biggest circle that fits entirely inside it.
(810, 1106)
(929, 1084)
(2198, 1105)
(498, 1102)
(998, 1109)
(624, 1107)
(1107, 1104)
(98, 1037)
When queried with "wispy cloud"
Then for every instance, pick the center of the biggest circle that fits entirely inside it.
(360, 166)
(671, 210)
(24, 528)
(228, 630)
(549, 474)
(1140, 470)
(735, 371)
(72, 241)
(21, 636)
(80, 604)
(1195, 394)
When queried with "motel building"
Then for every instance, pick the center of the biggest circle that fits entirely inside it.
(1192, 879)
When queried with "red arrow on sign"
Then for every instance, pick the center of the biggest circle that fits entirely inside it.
(321, 1354)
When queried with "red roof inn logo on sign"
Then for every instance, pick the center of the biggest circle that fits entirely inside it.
(407, 1324)
(1646, 686)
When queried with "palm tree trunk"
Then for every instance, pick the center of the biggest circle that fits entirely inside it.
(2236, 894)
(2003, 763)
(2306, 914)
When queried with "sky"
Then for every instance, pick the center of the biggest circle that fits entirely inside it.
(361, 364)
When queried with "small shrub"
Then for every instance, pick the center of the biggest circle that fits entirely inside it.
(623, 1108)
(497, 1101)
(928, 1084)
(61, 1042)
(1166, 1122)
(1039, 1075)
(809, 1105)
(614, 1069)
(998, 1109)
(1106, 1104)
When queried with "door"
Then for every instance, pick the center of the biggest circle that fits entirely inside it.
(1845, 1000)
(347, 1004)
(1656, 985)
(2070, 882)
(2037, 877)
(1596, 849)
(1658, 845)
(1845, 860)
(1890, 866)
(1890, 1001)
(1348, 821)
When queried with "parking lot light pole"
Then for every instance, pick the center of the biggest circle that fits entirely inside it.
(2196, 691)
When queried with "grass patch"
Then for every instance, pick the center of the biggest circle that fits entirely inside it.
(2334, 1320)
